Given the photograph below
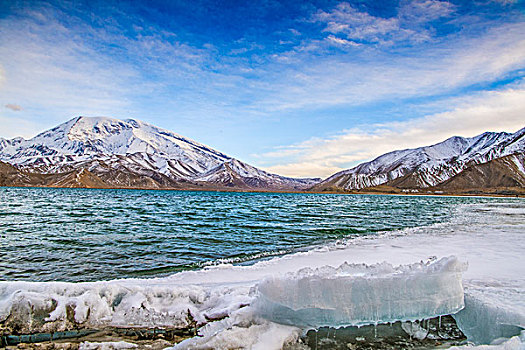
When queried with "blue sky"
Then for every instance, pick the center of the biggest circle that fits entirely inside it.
(301, 88)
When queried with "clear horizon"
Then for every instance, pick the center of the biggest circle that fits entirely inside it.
(296, 88)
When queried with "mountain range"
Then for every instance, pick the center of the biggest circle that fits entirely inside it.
(110, 153)
(489, 160)
(106, 152)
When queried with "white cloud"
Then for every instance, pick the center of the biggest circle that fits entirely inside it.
(357, 25)
(342, 42)
(489, 111)
(74, 77)
(295, 31)
(345, 19)
(2, 76)
(424, 10)
(55, 70)
(55, 64)
(372, 76)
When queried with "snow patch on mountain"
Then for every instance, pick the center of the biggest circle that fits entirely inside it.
(431, 165)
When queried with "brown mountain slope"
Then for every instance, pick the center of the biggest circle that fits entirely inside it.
(76, 179)
(82, 178)
(500, 176)
(11, 176)
(107, 177)
(498, 173)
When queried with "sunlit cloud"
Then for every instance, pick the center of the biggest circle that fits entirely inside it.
(489, 111)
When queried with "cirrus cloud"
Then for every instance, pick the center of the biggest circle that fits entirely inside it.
(352, 23)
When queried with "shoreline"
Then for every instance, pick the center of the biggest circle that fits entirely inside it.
(393, 192)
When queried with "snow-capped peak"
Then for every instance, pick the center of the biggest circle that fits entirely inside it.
(97, 128)
(108, 136)
(430, 164)
(127, 145)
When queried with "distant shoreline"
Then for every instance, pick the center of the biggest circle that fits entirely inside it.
(484, 193)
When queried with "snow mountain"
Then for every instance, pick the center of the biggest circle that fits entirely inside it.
(131, 153)
(431, 166)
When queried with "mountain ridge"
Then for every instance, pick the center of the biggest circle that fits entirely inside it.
(121, 152)
(105, 152)
(428, 166)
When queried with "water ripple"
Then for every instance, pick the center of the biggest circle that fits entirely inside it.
(82, 235)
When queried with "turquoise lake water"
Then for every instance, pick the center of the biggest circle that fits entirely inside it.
(88, 234)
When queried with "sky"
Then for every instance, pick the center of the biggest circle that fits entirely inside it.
(299, 88)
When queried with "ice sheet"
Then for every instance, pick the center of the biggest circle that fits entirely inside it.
(357, 294)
